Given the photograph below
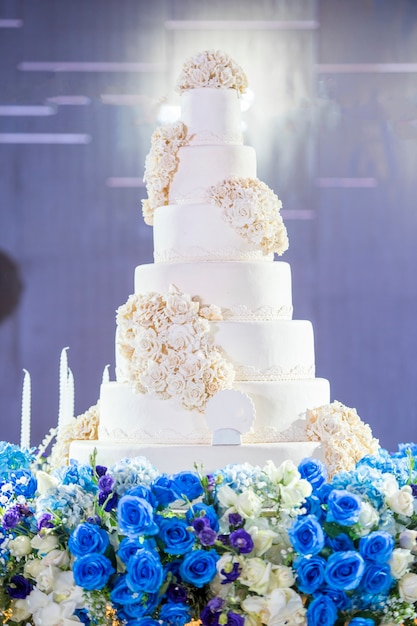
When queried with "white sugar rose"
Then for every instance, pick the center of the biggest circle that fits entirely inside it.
(180, 337)
(154, 379)
(180, 307)
(240, 213)
(147, 344)
(407, 587)
(400, 562)
(255, 575)
(176, 385)
(20, 546)
(194, 396)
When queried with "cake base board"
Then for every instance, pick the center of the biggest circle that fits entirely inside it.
(170, 459)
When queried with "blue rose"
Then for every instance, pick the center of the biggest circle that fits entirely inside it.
(174, 532)
(187, 485)
(207, 510)
(175, 613)
(312, 506)
(199, 567)
(314, 471)
(143, 621)
(339, 597)
(88, 538)
(341, 543)
(145, 571)
(141, 491)
(128, 546)
(321, 611)
(135, 516)
(121, 592)
(307, 536)
(377, 578)
(344, 570)
(143, 604)
(377, 546)
(163, 491)
(310, 573)
(92, 571)
(361, 621)
(344, 507)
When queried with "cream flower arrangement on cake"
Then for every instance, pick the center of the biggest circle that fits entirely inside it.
(252, 209)
(212, 68)
(84, 427)
(166, 344)
(160, 166)
(346, 438)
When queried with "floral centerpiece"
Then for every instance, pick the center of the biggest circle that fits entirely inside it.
(244, 546)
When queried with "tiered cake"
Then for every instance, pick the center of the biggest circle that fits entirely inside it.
(207, 351)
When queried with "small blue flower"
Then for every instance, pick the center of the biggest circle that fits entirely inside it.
(187, 485)
(135, 516)
(175, 614)
(307, 536)
(314, 471)
(344, 570)
(174, 533)
(88, 538)
(92, 571)
(377, 546)
(199, 567)
(310, 573)
(344, 507)
(144, 571)
(321, 611)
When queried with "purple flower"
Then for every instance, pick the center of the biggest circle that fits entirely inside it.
(231, 576)
(241, 540)
(108, 500)
(200, 523)
(414, 490)
(11, 518)
(177, 593)
(101, 470)
(19, 587)
(105, 483)
(235, 619)
(45, 521)
(207, 536)
(235, 519)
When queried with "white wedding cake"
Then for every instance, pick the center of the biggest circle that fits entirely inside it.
(210, 366)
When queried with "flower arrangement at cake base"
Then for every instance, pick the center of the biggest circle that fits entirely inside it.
(245, 545)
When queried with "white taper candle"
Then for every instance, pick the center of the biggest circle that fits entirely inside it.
(26, 400)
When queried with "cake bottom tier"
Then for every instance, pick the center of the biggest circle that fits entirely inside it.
(172, 459)
(280, 408)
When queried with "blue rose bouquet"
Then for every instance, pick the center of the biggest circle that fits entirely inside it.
(244, 546)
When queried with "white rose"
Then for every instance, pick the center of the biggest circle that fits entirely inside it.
(54, 614)
(45, 578)
(33, 568)
(368, 518)
(255, 575)
(65, 589)
(281, 577)
(286, 473)
(20, 546)
(285, 607)
(294, 494)
(402, 501)
(45, 482)
(262, 539)
(60, 558)
(44, 543)
(248, 504)
(408, 540)
(400, 561)
(255, 606)
(407, 587)
(36, 600)
(20, 611)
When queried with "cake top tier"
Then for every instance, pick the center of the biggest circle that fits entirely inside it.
(212, 68)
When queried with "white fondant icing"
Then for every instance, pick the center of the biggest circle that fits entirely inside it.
(212, 116)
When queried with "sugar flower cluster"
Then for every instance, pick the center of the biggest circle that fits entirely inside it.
(252, 209)
(165, 342)
(212, 68)
(346, 438)
(160, 165)
(82, 427)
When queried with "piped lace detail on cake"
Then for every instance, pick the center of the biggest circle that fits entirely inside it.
(298, 372)
(202, 254)
(243, 313)
(208, 138)
(295, 433)
(162, 436)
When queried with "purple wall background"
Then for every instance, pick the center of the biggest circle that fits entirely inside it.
(337, 143)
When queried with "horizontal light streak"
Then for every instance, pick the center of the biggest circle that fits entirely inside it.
(354, 182)
(123, 99)
(241, 25)
(366, 68)
(69, 100)
(45, 138)
(88, 66)
(301, 214)
(10, 23)
(125, 182)
(26, 110)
